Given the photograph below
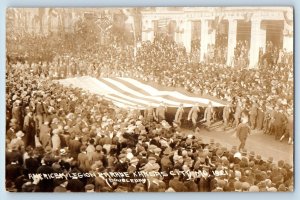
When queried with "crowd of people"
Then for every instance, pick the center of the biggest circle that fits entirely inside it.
(266, 93)
(241, 53)
(53, 129)
(56, 129)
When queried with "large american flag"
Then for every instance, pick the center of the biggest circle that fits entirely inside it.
(131, 93)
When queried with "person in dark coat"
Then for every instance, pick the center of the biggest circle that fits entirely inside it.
(29, 130)
(13, 154)
(260, 119)
(122, 165)
(289, 129)
(204, 184)
(13, 170)
(46, 185)
(149, 114)
(226, 114)
(177, 185)
(10, 134)
(75, 185)
(253, 115)
(31, 163)
(178, 115)
(242, 132)
(161, 112)
(44, 135)
(39, 113)
(279, 124)
(74, 147)
(191, 186)
(17, 112)
(83, 160)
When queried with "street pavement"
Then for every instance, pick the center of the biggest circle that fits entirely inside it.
(262, 144)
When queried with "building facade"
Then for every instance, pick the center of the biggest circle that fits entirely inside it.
(260, 25)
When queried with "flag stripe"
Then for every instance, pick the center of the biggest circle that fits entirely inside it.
(174, 94)
(165, 95)
(130, 93)
(125, 86)
(125, 95)
(92, 85)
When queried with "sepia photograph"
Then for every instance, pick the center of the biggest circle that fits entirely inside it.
(149, 99)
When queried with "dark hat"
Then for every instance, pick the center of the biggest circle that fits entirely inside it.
(219, 152)
(152, 158)
(270, 159)
(167, 151)
(218, 145)
(143, 153)
(234, 149)
(253, 188)
(258, 157)
(134, 159)
(221, 183)
(98, 148)
(237, 185)
(244, 151)
(245, 186)
(48, 149)
(83, 148)
(252, 153)
(281, 188)
(89, 187)
(281, 163)
(122, 155)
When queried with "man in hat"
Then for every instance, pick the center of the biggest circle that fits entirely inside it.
(90, 149)
(18, 141)
(178, 115)
(226, 114)
(31, 163)
(83, 160)
(177, 185)
(279, 124)
(133, 165)
(122, 164)
(238, 113)
(151, 165)
(205, 180)
(289, 128)
(44, 134)
(242, 132)
(46, 185)
(193, 114)
(13, 170)
(17, 112)
(161, 112)
(39, 112)
(55, 139)
(253, 114)
(165, 161)
(208, 114)
(260, 117)
(29, 129)
(251, 156)
(11, 132)
(97, 154)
